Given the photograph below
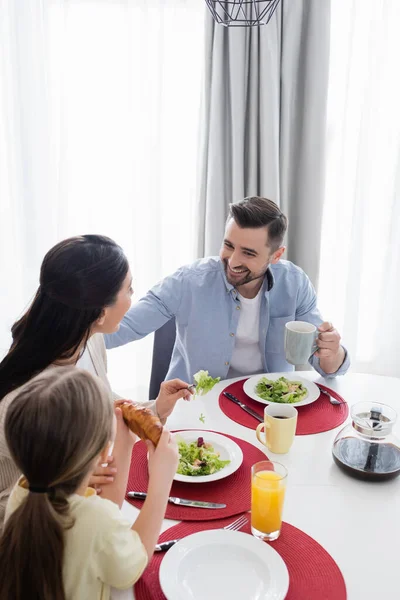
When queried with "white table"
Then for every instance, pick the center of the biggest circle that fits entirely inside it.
(357, 522)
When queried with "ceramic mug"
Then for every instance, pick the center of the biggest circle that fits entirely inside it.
(300, 342)
(280, 422)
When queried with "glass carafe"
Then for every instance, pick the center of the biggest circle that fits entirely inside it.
(367, 448)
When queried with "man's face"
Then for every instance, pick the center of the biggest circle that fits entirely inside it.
(245, 253)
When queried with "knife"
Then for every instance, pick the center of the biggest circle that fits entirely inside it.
(164, 545)
(250, 411)
(180, 501)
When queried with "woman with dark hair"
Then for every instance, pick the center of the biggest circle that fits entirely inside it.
(85, 290)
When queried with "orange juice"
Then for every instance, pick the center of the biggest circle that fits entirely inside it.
(267, 496)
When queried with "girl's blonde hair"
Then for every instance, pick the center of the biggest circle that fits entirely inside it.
(55, 428)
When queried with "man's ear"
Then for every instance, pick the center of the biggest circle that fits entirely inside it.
(277, 255)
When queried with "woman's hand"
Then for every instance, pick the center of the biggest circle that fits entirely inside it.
(102, 475)
(170, 392)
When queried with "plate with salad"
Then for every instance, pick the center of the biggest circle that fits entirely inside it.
(281, 388)
(206, 456)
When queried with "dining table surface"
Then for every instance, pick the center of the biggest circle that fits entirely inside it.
(357, 522)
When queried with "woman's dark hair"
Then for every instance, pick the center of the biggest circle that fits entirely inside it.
(79, 277)
(255, 212)
(55, 428)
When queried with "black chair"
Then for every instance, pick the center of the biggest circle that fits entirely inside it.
(164, 340)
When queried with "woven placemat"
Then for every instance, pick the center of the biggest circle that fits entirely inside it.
(313, 573)
(234, 490)
(319, 416)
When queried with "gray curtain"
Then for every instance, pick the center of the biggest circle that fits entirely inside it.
(263, 124)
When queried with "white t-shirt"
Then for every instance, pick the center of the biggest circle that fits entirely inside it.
(101, 550)
(246, 358)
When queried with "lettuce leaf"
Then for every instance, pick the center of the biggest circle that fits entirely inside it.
(204, 382)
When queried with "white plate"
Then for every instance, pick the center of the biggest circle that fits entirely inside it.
(313, 392)
(227, 448)
(214, 565)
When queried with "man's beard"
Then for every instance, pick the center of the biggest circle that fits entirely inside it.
(248, 276)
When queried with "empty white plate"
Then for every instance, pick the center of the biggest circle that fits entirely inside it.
(313, 392)
(227, 449)
(211, 565)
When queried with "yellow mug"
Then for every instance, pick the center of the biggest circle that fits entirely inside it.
(280, 422)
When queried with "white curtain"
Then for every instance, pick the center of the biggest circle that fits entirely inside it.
(360, 255)
(99, 103)
(263, 124)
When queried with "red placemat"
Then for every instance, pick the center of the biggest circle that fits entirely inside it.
(234, 490)
(319, 416)
(313, 573)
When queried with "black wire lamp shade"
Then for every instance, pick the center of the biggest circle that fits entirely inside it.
(242, 13)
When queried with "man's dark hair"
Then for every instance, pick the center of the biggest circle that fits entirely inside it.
(254, 212)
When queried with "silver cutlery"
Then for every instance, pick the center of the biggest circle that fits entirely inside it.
(179, 501)
(234, 526)
(331, 399)
(244, 406)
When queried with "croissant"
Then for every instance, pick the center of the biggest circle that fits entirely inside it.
(142, 422)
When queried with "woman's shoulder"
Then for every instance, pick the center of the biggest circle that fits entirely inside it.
(96, 343)
(5, 403)
(8, 398)
(96, 349)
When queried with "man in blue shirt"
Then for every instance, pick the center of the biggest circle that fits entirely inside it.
(230, 311)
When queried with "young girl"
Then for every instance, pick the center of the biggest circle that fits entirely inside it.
(85, 290)
(61, 541)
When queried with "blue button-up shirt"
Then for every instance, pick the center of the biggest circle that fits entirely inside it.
(207, 308)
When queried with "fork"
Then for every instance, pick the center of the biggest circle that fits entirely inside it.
(331, 400)
(234, 526)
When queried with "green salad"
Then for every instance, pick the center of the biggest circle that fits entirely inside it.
(281, 390)
(199, 458)
(204, 382)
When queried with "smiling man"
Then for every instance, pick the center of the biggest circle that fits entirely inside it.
(231, 310)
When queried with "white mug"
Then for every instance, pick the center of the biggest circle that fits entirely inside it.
(300, 342)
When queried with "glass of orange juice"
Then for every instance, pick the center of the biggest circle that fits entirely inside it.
(268, 485)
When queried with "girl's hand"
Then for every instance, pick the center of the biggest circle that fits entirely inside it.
(123, 431)
(163, 461)
(103, 473)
